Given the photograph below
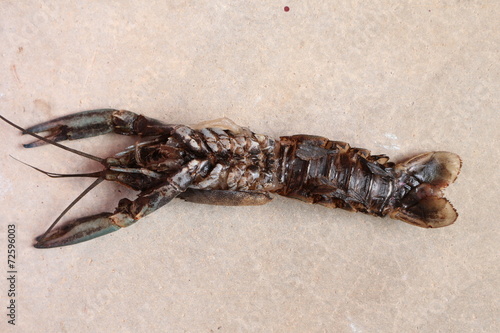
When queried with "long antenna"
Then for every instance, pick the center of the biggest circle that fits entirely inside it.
(61, 175)
(74, 151)
(87, 190)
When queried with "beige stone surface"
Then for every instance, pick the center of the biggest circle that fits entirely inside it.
(395, 77)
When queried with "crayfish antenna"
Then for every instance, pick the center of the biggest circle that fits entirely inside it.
(40, 239)
(60, 175)
(100, 175)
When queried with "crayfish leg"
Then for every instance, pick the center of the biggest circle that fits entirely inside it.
(91, 123)
(226, 197)
(127, 213)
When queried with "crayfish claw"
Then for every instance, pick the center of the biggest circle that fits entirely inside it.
(75, 126)
(77, 231)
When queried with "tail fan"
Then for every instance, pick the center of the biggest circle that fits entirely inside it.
(425, 176)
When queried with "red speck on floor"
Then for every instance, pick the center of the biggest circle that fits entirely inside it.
(286, 9)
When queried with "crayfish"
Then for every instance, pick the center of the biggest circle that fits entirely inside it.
(221, 163)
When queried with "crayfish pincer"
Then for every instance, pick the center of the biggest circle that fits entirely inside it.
(221, 163)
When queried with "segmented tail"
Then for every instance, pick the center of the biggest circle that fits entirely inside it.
(421, 180)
